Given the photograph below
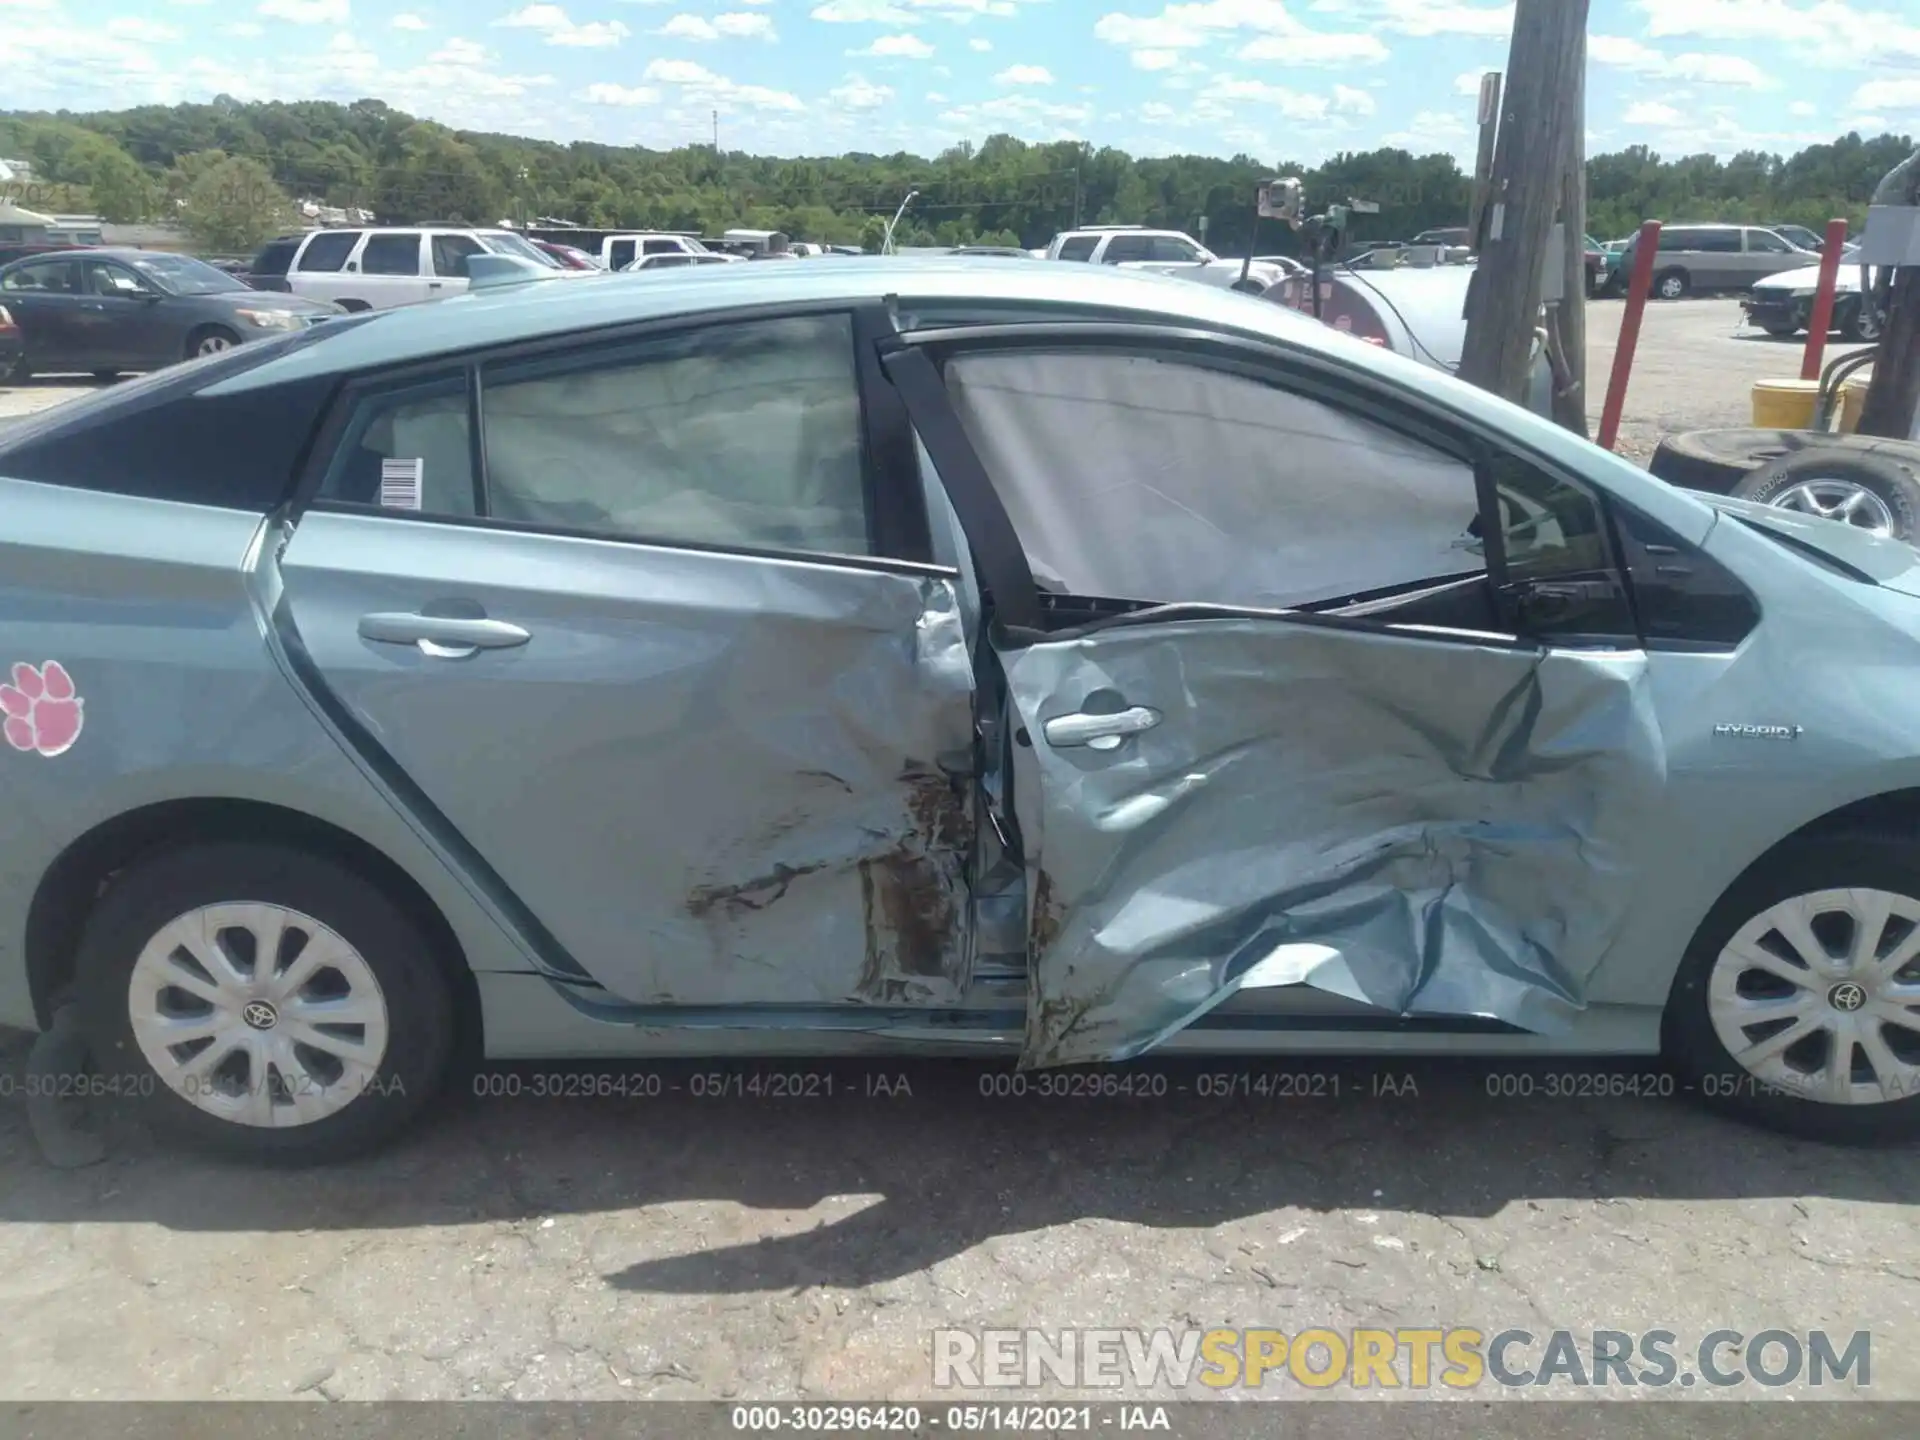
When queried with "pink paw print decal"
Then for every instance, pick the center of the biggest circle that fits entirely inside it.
(42, 711)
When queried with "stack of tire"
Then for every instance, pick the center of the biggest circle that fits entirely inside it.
(1766, 465)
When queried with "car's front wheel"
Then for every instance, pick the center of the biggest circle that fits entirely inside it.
(265, 1000)
(210, 340)
(1671, 284)
(1798, 1004)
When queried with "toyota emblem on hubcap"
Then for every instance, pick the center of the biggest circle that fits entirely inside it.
(1847, 996)
(262, 1016)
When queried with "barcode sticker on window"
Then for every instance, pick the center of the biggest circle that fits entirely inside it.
(400, 483)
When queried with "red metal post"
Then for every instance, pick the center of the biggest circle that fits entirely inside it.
(1644, 254)
(1821, 320)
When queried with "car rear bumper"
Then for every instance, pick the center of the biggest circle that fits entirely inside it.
(1763, 308)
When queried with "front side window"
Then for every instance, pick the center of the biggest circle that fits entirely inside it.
(451, 253)
(1767, 243)
(112, 280)
(391, 255)
(620, 253)
(1679, 240)
(1718, 242)
(183, 275)
(1078, 247)
(1560, 563)
(1137, 477)
(1127, 249)
(327, 251)
(1173, 248)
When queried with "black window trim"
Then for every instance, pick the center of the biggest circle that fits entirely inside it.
(896, 506)
(1346, 388)
(296, 263)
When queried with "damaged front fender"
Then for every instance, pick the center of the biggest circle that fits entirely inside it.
(1428, 824)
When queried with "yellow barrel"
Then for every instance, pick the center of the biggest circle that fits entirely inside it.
(1784, 404)
(1853, 400)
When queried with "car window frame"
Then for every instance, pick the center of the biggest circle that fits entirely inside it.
(899, 531)
(298, 265)
(1360, 396)
(434, 241)
(144, 285)
(421, 262)
(1119, 242)
(1756, 232)
(75, 277)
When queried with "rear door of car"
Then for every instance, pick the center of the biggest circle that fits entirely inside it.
(319, 271)
(449, 251)
(45, 299)
(1768, 254)
(647, 633)
(390, 267)
(1307, 689)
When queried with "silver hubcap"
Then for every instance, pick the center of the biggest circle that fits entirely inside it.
(1820, 996)
(258, 1014)
(1671, 287)
(1868, 325)
(214, 344)
(1840, 500)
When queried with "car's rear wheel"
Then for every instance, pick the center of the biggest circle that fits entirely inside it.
(1798, 1003)
(1860, 321)
(265, 1001)
(1671, 284)
(210, 340)
(1780, 329)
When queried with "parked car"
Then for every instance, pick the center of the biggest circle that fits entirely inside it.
(676, 261)
(377, 269)
(1451, 235)
(1714, 257)
(10, 344)
(1223, 685)
(1010, 252)
(1801, 237)
(1783, 304)
(569, 256)
(1166, 252)
(105, 310)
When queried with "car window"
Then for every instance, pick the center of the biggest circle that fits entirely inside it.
(660, 247)
(408, 449)
(1173, 248)
(450, 253)
(391, 255)
(328, 250)
(1555, 530)
(660, 262)
(1679, 240)
(1767, 243)
(275, 257)
(1078, 247)
(1717, 242)
(105, 279)
(47, 277)
(1131, 476)
(1128, 248)
(620, 253)
(744, 434)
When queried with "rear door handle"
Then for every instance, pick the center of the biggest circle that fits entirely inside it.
(1099, 732)
(444, 637)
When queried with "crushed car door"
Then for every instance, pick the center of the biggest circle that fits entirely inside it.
(630, 626)
(1286, 712)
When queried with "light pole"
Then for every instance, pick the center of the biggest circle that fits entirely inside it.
(886, 245)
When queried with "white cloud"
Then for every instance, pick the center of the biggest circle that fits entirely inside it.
(977, 44)
(1279, 38)
(700, 82)
(1316, 49)
(244, 29)
(858, 93)
(1826, 32)
(1719, 70)
(1467, 82)
(1888, 95)
(1624, 54)
(1229, 99)
(135, 27)
(735, 25)
(1621, 53)
(1803, 108)
(1026, 116)
(405, 21)
(1024, 75)
(461, 52)
(1155, 59)
(559, 28)
(1652, 112)
(607, 94)
(307, 12)
(1352, 101)
(897, 47)
(904, 12)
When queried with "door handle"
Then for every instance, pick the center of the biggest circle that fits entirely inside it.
(1099, 732)
(444, 637)
(433, 285)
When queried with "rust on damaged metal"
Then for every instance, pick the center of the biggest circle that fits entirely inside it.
(914, 894)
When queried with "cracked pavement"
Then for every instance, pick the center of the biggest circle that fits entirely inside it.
(673, 1248)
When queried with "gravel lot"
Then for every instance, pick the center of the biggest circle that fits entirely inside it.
(683, 1248)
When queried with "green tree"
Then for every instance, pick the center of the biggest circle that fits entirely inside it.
(873, 234)
(233, 205)
(119, 188)
(439, 177)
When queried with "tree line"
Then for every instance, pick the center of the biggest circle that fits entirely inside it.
(230, 173)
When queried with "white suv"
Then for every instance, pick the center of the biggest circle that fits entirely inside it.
(378, 269)
(1168, 252)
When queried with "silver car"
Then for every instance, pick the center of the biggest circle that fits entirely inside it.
(1715, 257)
(901, 656)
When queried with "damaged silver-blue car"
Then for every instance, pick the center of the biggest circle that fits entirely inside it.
(939, 656)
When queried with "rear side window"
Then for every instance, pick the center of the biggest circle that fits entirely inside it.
(1127, 249)
(661, 247)
(409, 449)
(328, 251)
(275, 257)
(1079, 247)
(391, 255)
(1679, 239)
(1718, 242)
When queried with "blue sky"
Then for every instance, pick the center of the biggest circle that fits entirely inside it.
(1281, 81)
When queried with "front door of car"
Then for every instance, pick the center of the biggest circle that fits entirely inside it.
(1307, 687)
(389, 268)
(45, 299)
(659, 657)
(127, 320)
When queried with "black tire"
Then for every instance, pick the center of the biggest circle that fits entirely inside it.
(1780, 329)
(1671, 284)
(353, 307)
(1858, 322)
(20, 374)
(1717, 460)
(419, 1005)
(209, 332)
(1249, 287)
(1694, 1048)
(1891, 481)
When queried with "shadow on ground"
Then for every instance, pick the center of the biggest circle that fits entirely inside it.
(954, 1161)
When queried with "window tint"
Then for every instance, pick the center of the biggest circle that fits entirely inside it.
(1080, 247)
(620, 253)
(419, 436)
(105, 279)
(450, 253)
(1717, 242)
(391, 255)
(1133, 477)
(1128, 248)
(660, 247)
(1767, 243)
(275, 257)
(51, 277)
(1555, 531)
(661, 262)
(1171, 247)
(734, 435)
(1679, 240)
(328, 250)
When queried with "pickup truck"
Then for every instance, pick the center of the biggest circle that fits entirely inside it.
(1167, 252)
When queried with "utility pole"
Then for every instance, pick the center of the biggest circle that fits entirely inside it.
(1530, 156)
(1489, 122)
(1569, 318)
(1893, 395)
(716, 134)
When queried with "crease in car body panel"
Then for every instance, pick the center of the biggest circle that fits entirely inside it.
(1430, 827)
(711, 778)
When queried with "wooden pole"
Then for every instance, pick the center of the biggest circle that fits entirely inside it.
(1489, 121)
(1530, 157)
(1893, 396)
(1570, 315)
